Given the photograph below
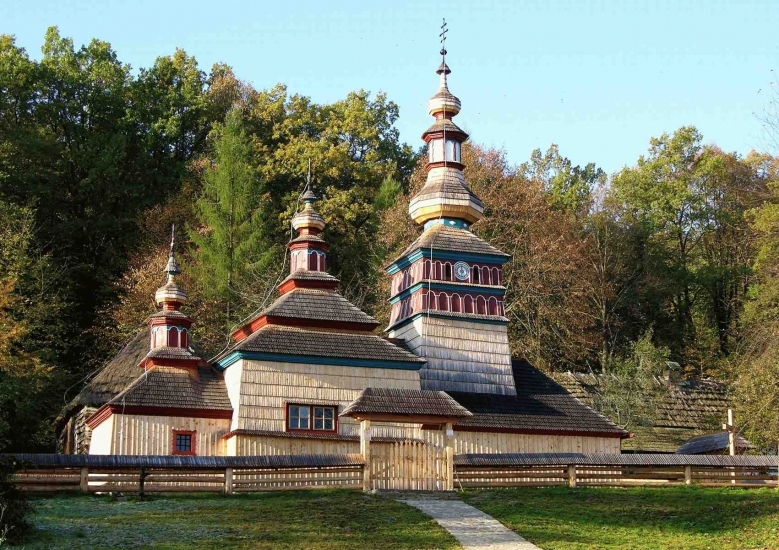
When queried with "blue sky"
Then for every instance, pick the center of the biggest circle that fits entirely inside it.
(598, 78)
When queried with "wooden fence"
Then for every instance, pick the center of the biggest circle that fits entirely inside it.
(172, 474)
(408, 466)
(611, 470)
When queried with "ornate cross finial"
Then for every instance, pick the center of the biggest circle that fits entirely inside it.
(444, 30)
(172, 239)
(308, 177)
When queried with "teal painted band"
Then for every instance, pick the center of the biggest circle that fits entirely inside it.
(444, 286)
(438, 315)
(449, 222)
(444, 255)
(316, 360)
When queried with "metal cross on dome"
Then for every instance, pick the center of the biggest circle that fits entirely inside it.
(444, 30)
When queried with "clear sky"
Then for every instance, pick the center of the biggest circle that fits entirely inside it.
(598, 78)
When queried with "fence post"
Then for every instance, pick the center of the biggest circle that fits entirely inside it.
(228, 481)
(688, 475)
(141, 481)
(572, 476)
(449, 457)
(84, 481)
(365, 449)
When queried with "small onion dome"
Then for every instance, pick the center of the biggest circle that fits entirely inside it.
(443, 102)
(445, 195)
(308, 195)
(308, 218)
(170, 292)
(172, 268)
(443, 68)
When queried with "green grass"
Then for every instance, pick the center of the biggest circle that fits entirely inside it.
(295, 519)
(692, 518)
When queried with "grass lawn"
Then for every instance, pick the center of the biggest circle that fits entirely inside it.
(295, 519)
(666, 518)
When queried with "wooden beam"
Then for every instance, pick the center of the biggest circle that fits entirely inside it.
(365, 449)
(84, 480)
(572, 476)
(449, 436)
(228, 481)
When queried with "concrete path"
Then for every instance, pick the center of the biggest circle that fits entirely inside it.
(474, 529)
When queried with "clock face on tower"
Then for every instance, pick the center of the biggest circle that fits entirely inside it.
(461, 271)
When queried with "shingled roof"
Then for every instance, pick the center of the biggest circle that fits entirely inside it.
(713, 443)
(540, 406)
(169, 352)
(278, 339)
(684, 409)
(318, 305)
(451, 239)
(306, 275)
(405, 402)
(176, 387)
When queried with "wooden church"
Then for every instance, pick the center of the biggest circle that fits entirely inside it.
(302, 374)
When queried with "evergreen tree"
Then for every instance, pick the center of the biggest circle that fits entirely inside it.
(231, 238)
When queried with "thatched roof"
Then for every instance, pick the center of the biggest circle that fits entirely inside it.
(684, 409)
(114, 377)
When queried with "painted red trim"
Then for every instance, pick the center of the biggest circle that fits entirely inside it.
(160, 362)
(169, 305)
(104, 412)
(443, 114)
(441, 164)
(309, 245)
(99, 416)
(192, 442)
(183, 322)
(531, 431)
(250, 328)
(303, 283)
(287, 429)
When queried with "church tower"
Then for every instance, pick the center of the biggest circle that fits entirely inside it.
(169, 327)
(447, 287)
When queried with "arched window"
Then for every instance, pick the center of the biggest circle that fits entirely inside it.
(495, 276)
(481, 305)
(457, 305)
(447, 271)
(443, 302)
(475, 278)
(183, 338)
(468, 304)
(173, 337)
(485, 275)
(493, 306)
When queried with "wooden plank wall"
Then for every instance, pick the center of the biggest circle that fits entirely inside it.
(266, 387)
(152, 435)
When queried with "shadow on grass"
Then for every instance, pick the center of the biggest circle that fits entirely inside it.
(304, 519)
(636, 518)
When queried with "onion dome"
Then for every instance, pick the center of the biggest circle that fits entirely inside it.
(445, 197)
(170, 295)
(308, 220)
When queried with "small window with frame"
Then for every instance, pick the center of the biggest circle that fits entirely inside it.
(312, 418)
(184, 442)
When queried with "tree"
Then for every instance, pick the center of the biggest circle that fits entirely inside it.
(567, 187)
(231, 234)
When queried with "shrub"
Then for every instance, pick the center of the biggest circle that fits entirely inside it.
(14, 507)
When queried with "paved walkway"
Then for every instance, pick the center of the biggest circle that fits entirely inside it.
(474, 529)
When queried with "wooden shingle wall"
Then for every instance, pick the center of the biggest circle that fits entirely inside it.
(461, 355)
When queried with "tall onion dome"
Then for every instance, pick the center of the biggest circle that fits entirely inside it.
(445, 198)
(307, 250)
(170, 327)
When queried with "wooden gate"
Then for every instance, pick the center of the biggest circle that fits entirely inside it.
(409, 466)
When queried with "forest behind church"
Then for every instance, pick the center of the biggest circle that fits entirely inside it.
(670, 261)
